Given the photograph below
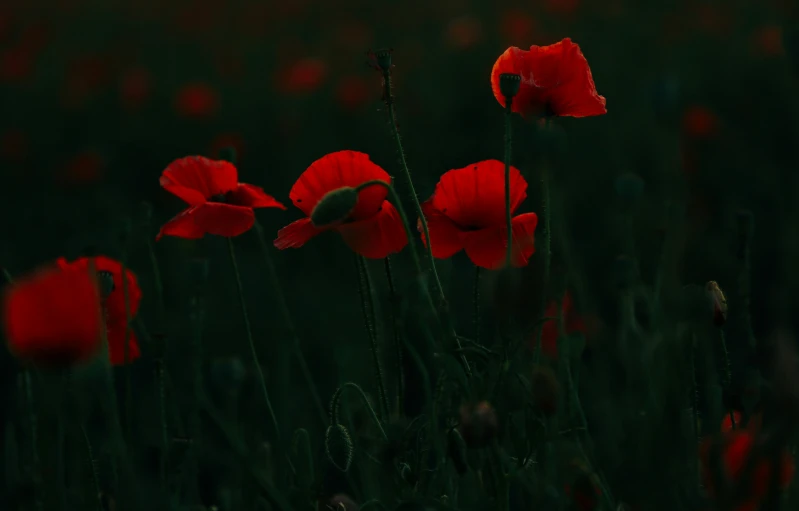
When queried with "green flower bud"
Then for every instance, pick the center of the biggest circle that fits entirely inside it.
(334, 207)
(338, 447)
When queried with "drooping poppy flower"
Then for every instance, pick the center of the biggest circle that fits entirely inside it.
(372, 229)
(736, 448)
(52, 317)
(572, 323)
(556, 81)
(467, 212)
(219, 204)
(116, 308)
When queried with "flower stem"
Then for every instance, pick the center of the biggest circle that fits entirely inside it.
(335, 402)
(368, 306)
(397, 337)
(546, 213)
(508, 221)
(126, 348)
(250, 340)
(476, 298)
(284, 310)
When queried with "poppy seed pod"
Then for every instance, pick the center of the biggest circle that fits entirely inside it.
(335, 206)
(382, 58)
(338, 447)
(546, 390)
(629, 187)
(509, 84)
(718, 303)
(478, 424)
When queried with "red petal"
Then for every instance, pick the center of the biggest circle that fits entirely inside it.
(529, 97)
(224, 219)
(336, 170)
(114, 302)
(487, 247)
(378, 236)
(474, 196)
(253, 196)
(53, 317)
(116, 344)
(296, 234)
(182, 226)
(445, 235)
(196, 178)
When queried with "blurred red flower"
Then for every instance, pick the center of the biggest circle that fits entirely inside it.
(517, 25)
(352, 91)
(556, 80)
(197, 100)
(85, 167)
(52, 317)
(117, 311)
(16, 65)
(467, 212)
(302, 77)
(225, 140)
(767, 41)
(372, 229)
(135, 87)
(726, 422)
(218, 203)
(549, 330)
(561, 7)
(463, 32)
(699, 122)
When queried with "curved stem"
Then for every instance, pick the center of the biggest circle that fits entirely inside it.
(250, 340)
(368, 306)
(335, 403)
(508, 221)
(397, 338)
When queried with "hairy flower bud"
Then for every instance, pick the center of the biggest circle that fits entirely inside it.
(335, 206)
(338, 447)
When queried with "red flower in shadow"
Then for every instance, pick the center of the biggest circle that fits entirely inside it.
(112, 293)
(52, 317)
(467, 212)
(197, 100)
(556, 81)
(549, 330)
(219, 204)
(373, 229)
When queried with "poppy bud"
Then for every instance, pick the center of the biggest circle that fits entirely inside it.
(335, 206)
(629, 187)
(718, 303)
(456, 450)
(381, 59)
(478, 424)
(228, 154)
(546, 390)
(338, 447)
(509, 84)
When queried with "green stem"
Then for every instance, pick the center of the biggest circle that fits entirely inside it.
(546, 213)
(476, 298)
(253, 352)
(92, 465)
(508, 220)
(126, 348)
(335, 404)
(284, 310)
(397, 337)
(368, 306)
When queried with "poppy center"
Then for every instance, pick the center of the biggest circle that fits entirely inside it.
(219, 197)
(106, 282)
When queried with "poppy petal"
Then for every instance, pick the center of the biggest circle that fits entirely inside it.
(337, 170)
(115, 302)
(116, 344)
(224, 219)
(515, 61)
(182, 226)
(445, 235)
(196, 179)
(487, 247)
(377, 236)
(474, 196)
(253, 196)
(296, 234)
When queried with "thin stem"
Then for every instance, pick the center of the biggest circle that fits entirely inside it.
(253, 352)
(546, 213)
(284, 310)
(33, 423)
(395, 133)
(126, 348)
(368, 306)
(335, 403)
(397, 337)
(92, 465)
(476, 299)
(508, 220)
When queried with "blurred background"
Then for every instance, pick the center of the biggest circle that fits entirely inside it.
(98, 97)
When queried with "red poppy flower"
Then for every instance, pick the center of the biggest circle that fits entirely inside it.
(467, 212)
(53, 317)
(549, 334)
(373, 229)
(219, 204)
(556, 80)
(112, 290)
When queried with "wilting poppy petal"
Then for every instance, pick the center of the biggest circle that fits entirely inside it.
(224, 219)
(53, 317)
(445, 235)
(487, 247)
(196, 178)
(474, 196)
(114, 299)
(253, 196)
(182, 226)
(337, 170)
(116, 344)
(296, 234)
(377, 236)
